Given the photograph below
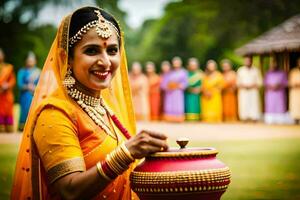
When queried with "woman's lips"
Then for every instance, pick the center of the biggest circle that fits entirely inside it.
(101, 75)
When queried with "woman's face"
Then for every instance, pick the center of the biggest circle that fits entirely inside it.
(193, 65)
(95, 60)
(150, 68)
(165, 67)
(226, 67)
(136, 68)
(30, 62)
(211, 66)
(176, 63)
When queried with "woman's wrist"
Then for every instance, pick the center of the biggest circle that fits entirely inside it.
(102, 173)
(115, 163)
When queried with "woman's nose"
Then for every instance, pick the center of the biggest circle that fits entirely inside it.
(104, 61)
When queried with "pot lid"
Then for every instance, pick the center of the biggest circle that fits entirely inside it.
(183, 151)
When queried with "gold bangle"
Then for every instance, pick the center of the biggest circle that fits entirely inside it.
(111, 161)
(119, 159)
(127, 152)
(101, 172)
(122, 159)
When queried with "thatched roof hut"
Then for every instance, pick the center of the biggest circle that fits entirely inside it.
(282, 41)
(284, 37)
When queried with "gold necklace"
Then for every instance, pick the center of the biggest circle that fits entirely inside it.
(94, 108)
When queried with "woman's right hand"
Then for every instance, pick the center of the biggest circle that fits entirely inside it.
(146, 143)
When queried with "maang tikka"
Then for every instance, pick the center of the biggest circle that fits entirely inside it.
(102, 29)
(69, 80)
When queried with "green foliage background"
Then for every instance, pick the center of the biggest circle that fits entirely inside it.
(206, 29)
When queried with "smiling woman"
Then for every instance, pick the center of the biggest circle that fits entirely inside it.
(79, 141)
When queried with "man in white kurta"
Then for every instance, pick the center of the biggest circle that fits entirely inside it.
(249, 81)
(294, 96)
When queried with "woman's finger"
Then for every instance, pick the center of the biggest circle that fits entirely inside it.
(152, 149)
(158, 143)
(155, 134)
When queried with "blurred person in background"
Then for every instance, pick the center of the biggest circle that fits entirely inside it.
(174, 83)
(165, 68)
(154, 91)
(294, 98)
(229, 91)
(249, 81)
(7, 82)
(192, 93)
(275, 82)
(140, 92)
(213, 83)
(27, 80)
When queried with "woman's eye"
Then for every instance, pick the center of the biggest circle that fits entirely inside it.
(91, 51)
(113, 50)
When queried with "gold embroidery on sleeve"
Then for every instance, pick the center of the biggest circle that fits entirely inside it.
(64, 168)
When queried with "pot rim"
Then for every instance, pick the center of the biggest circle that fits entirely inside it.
(186, 152)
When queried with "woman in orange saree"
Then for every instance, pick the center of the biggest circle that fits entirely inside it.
(7, 82)
(79, 140)
(229, 92)
(154, 91)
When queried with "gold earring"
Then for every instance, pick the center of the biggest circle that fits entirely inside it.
(69, 80)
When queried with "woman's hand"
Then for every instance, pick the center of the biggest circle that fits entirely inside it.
(146, 143)
(173, 85)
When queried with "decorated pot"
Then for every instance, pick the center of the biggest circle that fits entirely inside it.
(185, 173)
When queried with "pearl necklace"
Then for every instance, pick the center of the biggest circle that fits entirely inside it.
(94, 107)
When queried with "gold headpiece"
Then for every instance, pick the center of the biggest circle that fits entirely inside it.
(102, 28)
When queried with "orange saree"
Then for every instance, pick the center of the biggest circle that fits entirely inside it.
(7, 82)
(59, 137)
(229, 97)
(154, 96)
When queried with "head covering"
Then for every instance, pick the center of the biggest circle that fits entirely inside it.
(118, 98)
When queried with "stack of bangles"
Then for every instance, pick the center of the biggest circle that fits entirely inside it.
(115, 163)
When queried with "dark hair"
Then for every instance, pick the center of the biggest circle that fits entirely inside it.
(85, 15)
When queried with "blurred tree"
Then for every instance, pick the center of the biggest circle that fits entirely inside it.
(18, 35)
(209, 29)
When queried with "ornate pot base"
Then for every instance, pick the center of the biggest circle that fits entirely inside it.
(184, 174)
(182, 196)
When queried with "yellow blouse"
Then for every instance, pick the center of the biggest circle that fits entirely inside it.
(58, 145)
(65, 146)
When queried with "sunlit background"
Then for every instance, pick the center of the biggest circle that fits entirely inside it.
(155, 30)
(265, 160)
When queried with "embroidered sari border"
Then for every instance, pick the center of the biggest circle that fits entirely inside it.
(65, 167)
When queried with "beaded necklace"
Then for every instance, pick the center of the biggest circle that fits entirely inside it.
(96, 109)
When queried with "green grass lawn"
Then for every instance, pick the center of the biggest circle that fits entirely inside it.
(8, 153)
(261, 169)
